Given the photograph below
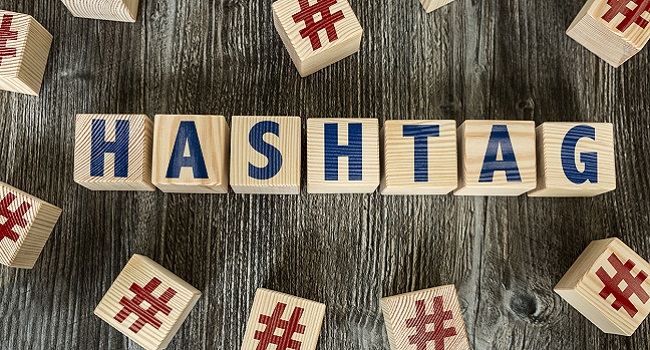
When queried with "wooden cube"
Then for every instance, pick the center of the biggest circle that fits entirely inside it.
(317, 33)
(191, 153)
(575, 160)
(342, 155)
(430, 5)
(112, 152)
(613, 32)
(497, 158)
(265, 155)
(428, 319)
(24, 49)
(147, 303)
(110, 10)
(283, 321)
(26, 223)
(419, 157)
(609, 285)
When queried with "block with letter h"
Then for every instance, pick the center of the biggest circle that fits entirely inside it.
(342, 155)
(110, 10)
(113, 152)
(265, 155)
(147, 303)
(609, 285)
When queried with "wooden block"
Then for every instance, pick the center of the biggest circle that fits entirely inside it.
(497, 158)
(428, 319)
(342, 155)
(614, 32)
(26, 223)
(112, 152)
(317, 33)
(110, 10)
(24, 48)
(419, 157)
(430, 5)
(281, 321)
(265, 155)
(147, 303)
(575, 160)
(608, 284)
(191, 153)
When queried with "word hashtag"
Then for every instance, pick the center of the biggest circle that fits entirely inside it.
(631, 16)
(326, 22)
(7, 34)
(13, 218)
(149, 315)
(274, 322)
(421, 320)
(634, 285)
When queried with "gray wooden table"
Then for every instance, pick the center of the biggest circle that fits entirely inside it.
(502, 59)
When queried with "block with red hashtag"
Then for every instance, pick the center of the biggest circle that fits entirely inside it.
(609, 285)
(615, 30)
(429, 319)
(283, 322)
(147, 303)
(317, 33)
(24, 48)
(26, 223)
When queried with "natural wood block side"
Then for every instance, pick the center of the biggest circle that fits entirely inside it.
(430, 5)
(278, 318)
(147, 303)
(265, 155)
(110, 10)
(121, 158)
(427, 319)
(191, 153)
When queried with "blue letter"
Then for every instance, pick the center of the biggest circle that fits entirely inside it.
(421, 149)
(99, 147)
(187, 135)
(256, 140)
(354, 152)
(500, 138)
(590, 160)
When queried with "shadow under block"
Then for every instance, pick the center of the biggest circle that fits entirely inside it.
(317, 35)
(497, 158)
(608, 284)
(110, 10)
(265, 155)
(24, 49)
(26, 223)
(614, 33)
(419, 157)
(575, 160)
(283, 321)
(430, 5)
(147, 303)
(191, 153)
(427, 319)
(342, 155)
(112, 152)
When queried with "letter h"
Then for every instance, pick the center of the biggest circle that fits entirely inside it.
(353, 150)
(99, 147)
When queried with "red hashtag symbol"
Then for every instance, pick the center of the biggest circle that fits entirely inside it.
(634, 285)
(274, 322)
(13, 218)
(421, 320)
(149, 315)
(631, 16)
(7, 34)
(326, 22)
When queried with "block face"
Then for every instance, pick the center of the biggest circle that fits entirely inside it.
(419, 157)
(575, 160)
(430, 5)
(191, 153)
(279, 320)
(497, 158)
(110, 10)
(342, 155)
(425, 320)
(147, 303)
(317, 33)
(113, 152)
(265, 155)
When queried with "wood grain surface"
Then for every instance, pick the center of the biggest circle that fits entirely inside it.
(505, 59)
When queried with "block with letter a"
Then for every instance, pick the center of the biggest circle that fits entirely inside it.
(110, 10)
